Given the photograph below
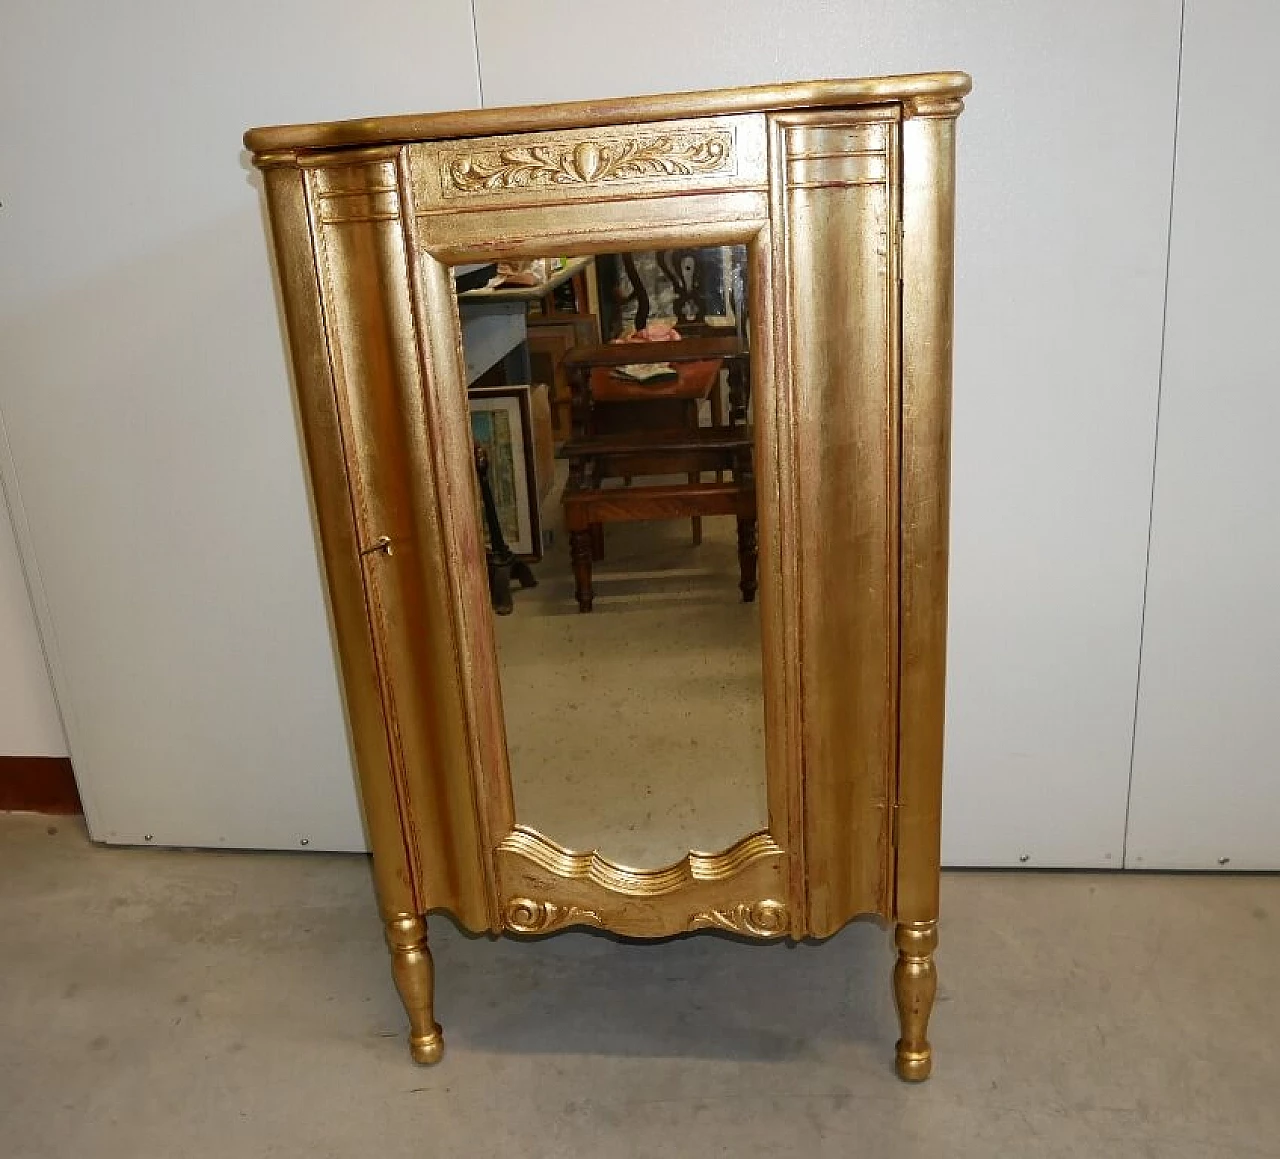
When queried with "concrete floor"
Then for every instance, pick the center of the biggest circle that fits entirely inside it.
(169, 1004)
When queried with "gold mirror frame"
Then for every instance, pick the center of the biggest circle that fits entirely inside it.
(843, 193)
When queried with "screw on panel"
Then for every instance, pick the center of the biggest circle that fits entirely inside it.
(305, 841)
(1024, 858)
(148, 837)
(1224, 860)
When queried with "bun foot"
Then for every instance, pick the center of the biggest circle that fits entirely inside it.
(914, 1066)
(428, 1049)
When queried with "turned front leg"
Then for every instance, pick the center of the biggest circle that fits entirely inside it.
(414, 974)
(915, 982)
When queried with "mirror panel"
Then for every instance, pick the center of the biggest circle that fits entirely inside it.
(610, 406)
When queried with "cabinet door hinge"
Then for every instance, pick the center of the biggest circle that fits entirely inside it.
(897, 249)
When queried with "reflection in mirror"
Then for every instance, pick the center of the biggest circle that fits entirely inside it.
(610, 406)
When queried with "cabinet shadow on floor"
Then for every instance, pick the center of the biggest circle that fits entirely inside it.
(705, 994)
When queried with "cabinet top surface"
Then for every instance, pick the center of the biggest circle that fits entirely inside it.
(920, 88)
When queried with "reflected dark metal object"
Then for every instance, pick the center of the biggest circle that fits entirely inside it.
(502, 563)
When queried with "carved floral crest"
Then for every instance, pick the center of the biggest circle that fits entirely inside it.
(677, 154)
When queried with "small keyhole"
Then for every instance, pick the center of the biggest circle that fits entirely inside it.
(380, 545)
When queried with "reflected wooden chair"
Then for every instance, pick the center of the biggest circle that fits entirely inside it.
(625, 429)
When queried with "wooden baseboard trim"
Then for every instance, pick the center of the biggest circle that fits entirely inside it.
(38, 785)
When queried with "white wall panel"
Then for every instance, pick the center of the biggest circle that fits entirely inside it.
(1206, 778)
(29, 723)
(143, 386)
(1065, 160)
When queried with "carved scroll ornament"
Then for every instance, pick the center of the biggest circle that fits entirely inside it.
(759, 919)
(523, 915)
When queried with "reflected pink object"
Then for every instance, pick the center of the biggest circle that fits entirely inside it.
(654, 332)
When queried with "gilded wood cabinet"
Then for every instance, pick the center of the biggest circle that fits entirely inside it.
(842, 192)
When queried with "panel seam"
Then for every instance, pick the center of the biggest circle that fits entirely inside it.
(475, 43)
(1155, 438)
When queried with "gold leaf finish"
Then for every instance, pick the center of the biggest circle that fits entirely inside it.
(606, 159)
(844, 450)
(915, 984)
(414, 975)
(849, 92)
(523, 915)
(843, 194)
(653, 903)
(694, 867)
(759, 919)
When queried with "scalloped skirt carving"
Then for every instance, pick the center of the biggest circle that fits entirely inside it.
(545, 887)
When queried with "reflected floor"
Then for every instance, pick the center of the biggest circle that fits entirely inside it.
(637, 729)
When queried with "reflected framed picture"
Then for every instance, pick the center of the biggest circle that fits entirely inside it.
(502, 423)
